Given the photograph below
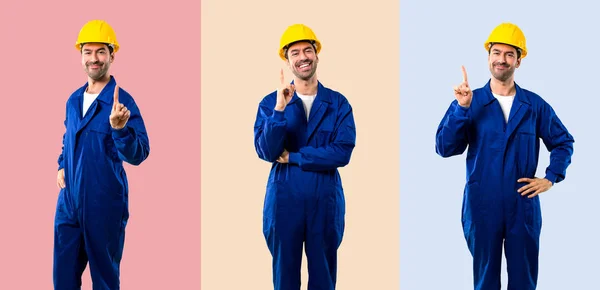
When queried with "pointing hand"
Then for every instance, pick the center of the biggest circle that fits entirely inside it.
(119, 114)
(463, 92)
(284, 94)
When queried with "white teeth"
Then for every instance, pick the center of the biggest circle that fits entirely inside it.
(304, 65)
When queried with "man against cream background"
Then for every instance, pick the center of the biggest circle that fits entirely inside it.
(307, 132)
(502, 124)
(104, 128)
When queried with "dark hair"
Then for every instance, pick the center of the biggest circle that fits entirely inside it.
(516, 48)
(110, 47)
(285, 49)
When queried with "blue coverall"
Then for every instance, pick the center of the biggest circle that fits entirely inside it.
(304, 201)
(499, 154)
(92, 210)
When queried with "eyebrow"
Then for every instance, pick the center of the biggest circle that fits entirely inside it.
(297, 49)
(498, 50)
(99, 49)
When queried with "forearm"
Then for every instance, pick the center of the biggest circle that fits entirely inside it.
(132, 145)
(558, 141)
(451, 136)
(270, 136)
(560, 159)
(322, 158)
(61, 164)
(61, 157)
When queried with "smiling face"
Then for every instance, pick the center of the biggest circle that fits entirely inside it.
(302, 60)
(503, 60)
(96, 59)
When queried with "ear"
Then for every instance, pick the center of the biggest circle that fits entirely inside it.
(112, 57)
(518, 63)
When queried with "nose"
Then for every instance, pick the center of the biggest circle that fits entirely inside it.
(303, 56)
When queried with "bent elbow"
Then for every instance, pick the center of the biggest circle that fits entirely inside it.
(140, 159)
(136, 162)
(443, 152)
(347, 156)
(266, 156)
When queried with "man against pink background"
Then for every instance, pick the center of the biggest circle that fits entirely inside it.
(104, 127)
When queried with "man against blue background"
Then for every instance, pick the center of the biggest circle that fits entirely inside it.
(502, 124)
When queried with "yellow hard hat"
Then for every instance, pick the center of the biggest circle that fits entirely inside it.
(97, 31)
(510, 34)
(294, 33)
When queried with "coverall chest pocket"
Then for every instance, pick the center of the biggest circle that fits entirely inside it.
(101, 135)
(323, 137)
(525, 159)
(495, 140)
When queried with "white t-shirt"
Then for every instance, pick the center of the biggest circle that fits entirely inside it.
(88, 99)
(307, 101)
(505, 104)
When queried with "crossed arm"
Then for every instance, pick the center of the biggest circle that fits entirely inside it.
(269, 137)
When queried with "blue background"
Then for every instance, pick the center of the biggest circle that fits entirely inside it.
(436, 38)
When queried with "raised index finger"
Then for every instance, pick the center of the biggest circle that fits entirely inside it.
(116, 96)
(281, 78)
(464, 73)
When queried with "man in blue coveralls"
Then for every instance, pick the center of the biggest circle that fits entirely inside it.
(307, 132)
(104, 127)
(502, 124)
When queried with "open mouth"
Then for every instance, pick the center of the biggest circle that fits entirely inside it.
(305, 66)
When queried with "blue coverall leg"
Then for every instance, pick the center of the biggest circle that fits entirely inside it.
(92, 210)
(69, 248)
(499, 153)
(304, 202)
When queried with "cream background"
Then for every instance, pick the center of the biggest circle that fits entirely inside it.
(360, 58)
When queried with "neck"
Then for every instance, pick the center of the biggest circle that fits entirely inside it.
(306, 87)
(503, 88)
(96, 86)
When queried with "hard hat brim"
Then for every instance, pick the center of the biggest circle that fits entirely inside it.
(314, 42)
(488, 45)
(79, 45)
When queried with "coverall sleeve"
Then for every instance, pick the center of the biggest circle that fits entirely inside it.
(132, 141)
(451, 138)
(61, 157)
(269, 132)
(558, 141)
(334, 155)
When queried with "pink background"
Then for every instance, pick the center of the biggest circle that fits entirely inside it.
(159, 64)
